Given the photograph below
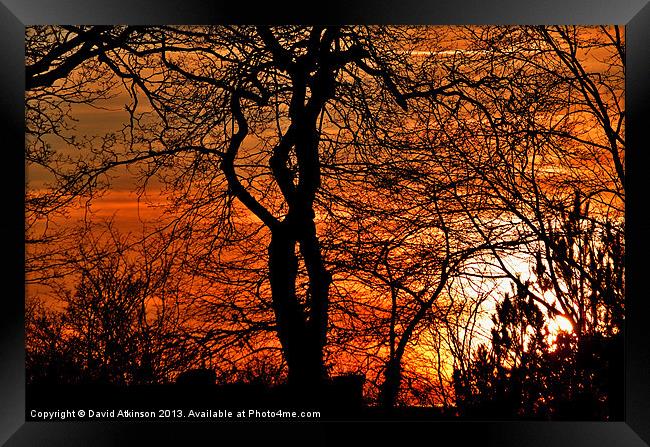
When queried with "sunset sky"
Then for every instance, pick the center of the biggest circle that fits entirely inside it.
(501, 156)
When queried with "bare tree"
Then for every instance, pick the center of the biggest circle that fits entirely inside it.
(124, 320)
(267, 88)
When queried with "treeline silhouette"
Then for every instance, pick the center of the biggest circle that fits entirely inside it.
(109, 345)
(392, 217)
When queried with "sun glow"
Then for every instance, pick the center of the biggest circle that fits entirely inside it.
(560, 323)
(557, 325)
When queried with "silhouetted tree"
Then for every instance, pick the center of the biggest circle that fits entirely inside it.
(123, 322)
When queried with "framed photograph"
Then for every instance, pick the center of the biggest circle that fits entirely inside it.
(240, 221)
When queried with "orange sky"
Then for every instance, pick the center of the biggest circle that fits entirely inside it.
(120, 203)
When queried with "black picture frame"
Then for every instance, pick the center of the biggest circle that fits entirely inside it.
(635, 14)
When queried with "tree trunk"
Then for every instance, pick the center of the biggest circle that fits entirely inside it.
(392, 381)
(302, 351)
(303, 333)
(319, 282)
